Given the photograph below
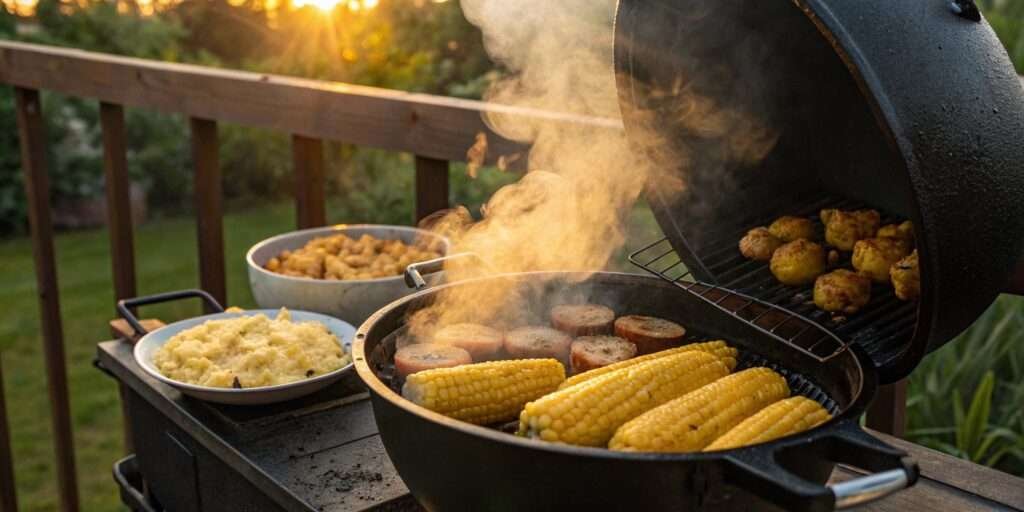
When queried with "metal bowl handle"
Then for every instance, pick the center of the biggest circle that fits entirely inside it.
(414, 272)
(125, 306)
(757, 468)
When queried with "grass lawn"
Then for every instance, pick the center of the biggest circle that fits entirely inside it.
(166, 260)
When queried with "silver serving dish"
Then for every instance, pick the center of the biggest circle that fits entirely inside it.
(149, 343)
(353, 300)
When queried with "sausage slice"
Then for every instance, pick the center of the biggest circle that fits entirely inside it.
(427, 356)
(650, 334)
(538, 342)
(589, 352)
(582, 319)
(480, 341)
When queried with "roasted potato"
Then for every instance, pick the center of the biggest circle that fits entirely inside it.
(759, 244)
(844, 228)
(872, 257)
(338, 257)
(789, 228)
(904, 232)
(798, 262)
(842, 291)
(906, 277)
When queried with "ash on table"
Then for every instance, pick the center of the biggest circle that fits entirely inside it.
(324, 483)
(345, 481)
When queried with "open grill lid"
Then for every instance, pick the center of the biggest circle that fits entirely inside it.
(772, 108)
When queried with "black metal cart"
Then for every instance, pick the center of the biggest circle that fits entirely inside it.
(321, 452)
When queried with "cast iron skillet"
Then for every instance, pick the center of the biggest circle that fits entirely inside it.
(451, 465)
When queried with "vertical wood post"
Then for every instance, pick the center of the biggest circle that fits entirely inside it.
(431, 186)
(888, 413)
(119, 222)
(308, 157)
(209, 208)
(37, 191)
(8, 493)
(119, 212)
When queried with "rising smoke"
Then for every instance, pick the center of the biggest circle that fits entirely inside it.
(568, 212)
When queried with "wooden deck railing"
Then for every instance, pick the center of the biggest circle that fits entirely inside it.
(436, 130)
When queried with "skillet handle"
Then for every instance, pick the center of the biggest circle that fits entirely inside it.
(125, 306)
(758, 469)
(414, 272)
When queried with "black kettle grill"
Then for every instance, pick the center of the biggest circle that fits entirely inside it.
(911, 107)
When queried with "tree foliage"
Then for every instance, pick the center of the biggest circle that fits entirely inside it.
(420, 46)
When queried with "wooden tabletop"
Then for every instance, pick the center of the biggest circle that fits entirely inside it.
(946, 484)
(332, 459)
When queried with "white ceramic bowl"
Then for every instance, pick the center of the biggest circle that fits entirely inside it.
(148, 344)
(353, 300)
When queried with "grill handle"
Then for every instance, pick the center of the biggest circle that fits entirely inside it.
(125, 306)
(758, 469)
(414, 272)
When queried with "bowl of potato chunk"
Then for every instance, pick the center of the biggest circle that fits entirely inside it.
(346, 271)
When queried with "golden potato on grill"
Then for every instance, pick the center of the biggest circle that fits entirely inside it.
(759, 244)
(842, 291)
(844, 228)
(903, 231)
(906, 277)
(873, 256)
(798, 262)
(789, 228)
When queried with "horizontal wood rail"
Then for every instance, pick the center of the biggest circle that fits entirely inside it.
(429, 126)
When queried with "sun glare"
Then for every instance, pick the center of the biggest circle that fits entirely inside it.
(329, 5)
(323, 5)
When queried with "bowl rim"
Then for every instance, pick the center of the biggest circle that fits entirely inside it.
(148, 367)
(340, 228)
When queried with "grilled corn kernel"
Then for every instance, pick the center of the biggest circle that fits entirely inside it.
(782, 418)
(693, 421)
(484, 393)
(589, 413)
(717, 348)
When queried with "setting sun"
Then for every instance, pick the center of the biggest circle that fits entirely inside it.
(329, 5)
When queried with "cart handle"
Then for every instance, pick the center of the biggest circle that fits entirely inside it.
(125, 306)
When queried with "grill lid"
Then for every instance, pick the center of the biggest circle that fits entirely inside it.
(760, 109)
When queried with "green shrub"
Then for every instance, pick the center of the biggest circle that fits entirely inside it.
(985, 363)
(1007, 19)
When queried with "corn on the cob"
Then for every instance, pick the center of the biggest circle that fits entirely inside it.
(718, 348)
(484, 393)
(780, 419)
(589, 413)
(693, 421)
